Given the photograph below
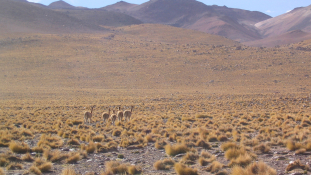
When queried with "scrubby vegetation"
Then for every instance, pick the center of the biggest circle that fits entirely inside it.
(40, 139)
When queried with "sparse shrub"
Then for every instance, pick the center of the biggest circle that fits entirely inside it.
(184, 170)
(176, 149)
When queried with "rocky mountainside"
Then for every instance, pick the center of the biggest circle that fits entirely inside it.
(232, 23)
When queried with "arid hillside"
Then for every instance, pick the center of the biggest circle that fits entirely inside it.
(297, 19)
(294, 36)
(232, 23)
(148, 57)
(24, 17)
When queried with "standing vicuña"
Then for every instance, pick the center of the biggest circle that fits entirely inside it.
(106, 115)
(128, 113)
(88, 115)
(113, 117)
(120, 114)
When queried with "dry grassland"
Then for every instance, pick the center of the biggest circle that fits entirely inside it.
(202, 104)
(184, 133)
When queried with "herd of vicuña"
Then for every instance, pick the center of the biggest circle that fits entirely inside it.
(113, 117)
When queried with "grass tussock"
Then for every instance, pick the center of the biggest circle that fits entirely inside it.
(115, 167)
(165, 164)
(233, 153)
(189, 158)
(90, 148)
(27, 158)
(262, 148)
(14, 166)
(68, 171)
(293, 145)
(160, 144)
(202, 116)
(173, 150)
(255, 168)
(214, 167)
(297, 165)
(243, 160)
(35, 170)
(20, 148)
(228, 145)
(202, 143)
(184, 170)
(73, 158)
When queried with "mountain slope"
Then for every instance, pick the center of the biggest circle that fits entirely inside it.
(192, 14)
(283, 39)
(24, 17)
(101, 17)
(60, 5)
(297, 19)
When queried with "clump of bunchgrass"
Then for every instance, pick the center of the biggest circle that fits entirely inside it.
(296, 165)
(27, 157)
(202, 143)
(189, 158)
(253, 169)
(243, 160)
(20, 148)
(173, 150)
(73, 158)
(14, 166)
(206, 158)
(214, 167)
(68, 171)
(184, 170)
(90, 148)
(115, 167)
(165, 164)
(228, 145)
(263, 148)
